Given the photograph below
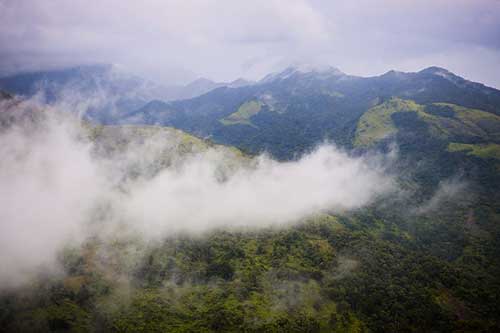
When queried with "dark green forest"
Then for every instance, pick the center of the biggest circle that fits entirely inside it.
(370, 270)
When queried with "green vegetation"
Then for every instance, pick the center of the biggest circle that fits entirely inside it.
(446, 122)
(116, 139)
(244, 113)
(491, 150)
(463, 123)
(376, 124)
(126, 133)
(367, 271)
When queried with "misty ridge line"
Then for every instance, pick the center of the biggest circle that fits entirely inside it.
(94, 81)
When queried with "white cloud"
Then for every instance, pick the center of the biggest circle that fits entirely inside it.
(56, 187)
(204, 36)
(447, 191)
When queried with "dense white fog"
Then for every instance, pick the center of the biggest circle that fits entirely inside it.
(56, 189)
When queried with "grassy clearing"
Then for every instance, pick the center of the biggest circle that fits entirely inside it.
(244, 113)
(490, 150)
(376, 124)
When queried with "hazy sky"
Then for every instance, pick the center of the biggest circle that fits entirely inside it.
(178, 40)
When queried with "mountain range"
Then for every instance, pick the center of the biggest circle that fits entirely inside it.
(289, 112)
(307, 107)
(105, 90)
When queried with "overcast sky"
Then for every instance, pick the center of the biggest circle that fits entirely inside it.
(179, 40)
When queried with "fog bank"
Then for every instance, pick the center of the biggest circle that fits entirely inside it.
(59, 185)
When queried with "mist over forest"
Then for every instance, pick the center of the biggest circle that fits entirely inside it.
(249, 167)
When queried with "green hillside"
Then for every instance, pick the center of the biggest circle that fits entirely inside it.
(490, 150)
(445, 121)
(244, 113)
(376, 124)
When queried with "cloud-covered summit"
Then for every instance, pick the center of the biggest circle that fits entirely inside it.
(177, 41)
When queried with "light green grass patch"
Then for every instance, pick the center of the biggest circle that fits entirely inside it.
(490, 150)
(243, 115)
(467, 123)
(376, 124)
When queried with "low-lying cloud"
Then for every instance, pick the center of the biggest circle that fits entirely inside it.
(447, 190)
(270, 193)
(58, 186)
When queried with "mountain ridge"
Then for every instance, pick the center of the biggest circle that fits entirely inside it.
(308, 107)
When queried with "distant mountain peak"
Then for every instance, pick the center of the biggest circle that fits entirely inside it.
(393, 72)
(449, 76)
(239, 83)
(319, 69)
(201, 82)
(322, 72)
(434, 70)
(202, 85)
